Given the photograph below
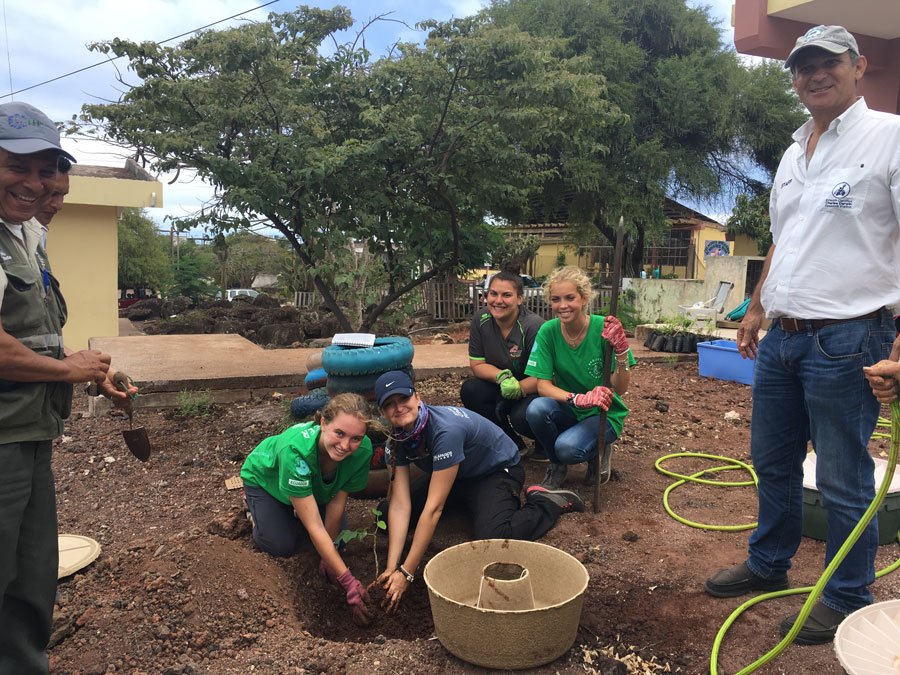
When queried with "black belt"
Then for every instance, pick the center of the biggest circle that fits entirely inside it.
(796, 325)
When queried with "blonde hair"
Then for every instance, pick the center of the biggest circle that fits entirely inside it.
(352, 404)
(575, 276)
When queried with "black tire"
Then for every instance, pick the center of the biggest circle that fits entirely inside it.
(304, 407)
(388, 353)
(364, 385)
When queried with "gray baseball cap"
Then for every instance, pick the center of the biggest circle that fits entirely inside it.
(25, 130)
(834, 39)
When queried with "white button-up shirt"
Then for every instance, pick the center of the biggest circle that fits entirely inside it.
(836, 222)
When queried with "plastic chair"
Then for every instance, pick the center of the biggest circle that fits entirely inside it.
(709, 310)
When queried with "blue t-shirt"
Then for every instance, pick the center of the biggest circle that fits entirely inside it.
(459, 436)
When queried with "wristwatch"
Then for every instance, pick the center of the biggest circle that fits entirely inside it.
(409, 577)
(570, 397)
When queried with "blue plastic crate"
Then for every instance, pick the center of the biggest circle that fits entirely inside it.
(720, 359)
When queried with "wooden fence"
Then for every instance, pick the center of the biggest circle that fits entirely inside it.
(459, 300)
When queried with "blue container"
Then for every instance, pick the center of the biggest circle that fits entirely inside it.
(720, 359)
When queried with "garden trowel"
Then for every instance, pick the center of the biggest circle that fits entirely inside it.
(135, 439)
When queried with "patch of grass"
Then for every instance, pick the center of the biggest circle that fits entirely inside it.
(194, 403)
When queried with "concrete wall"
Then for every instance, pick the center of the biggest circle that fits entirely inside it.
(656, 299)
(82, 247)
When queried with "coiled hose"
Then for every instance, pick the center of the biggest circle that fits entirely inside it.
(814, 591)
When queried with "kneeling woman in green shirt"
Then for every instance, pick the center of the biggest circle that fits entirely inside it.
(296, 486)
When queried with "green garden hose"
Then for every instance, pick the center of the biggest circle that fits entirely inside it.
(814, 591)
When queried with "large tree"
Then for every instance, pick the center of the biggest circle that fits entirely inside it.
(699, 123)
(407, 155)
(143, 256)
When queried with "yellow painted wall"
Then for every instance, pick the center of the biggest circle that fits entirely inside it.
(83, 250)
(82, 246)
(700, 237)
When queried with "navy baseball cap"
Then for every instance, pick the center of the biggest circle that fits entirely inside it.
(393, 382)
(25, 130)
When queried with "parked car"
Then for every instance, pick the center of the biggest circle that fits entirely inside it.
(232, 293)
(129, 296)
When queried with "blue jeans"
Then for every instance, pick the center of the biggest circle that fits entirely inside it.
(809, 385)
(564, 438)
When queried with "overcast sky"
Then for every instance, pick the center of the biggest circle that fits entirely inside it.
(46, 40)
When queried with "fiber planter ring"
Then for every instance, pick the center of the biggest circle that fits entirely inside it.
(505, 639)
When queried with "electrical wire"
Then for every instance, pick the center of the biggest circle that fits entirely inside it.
(105, 61)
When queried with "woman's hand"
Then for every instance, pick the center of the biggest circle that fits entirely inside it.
(597, 397)
(357, 597)
(614, 334)
(395, 584)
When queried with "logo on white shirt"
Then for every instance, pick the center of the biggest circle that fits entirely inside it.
(841, 195)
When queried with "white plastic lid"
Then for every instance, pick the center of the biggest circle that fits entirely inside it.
(809, 473)
(868, 641)
(75, 552)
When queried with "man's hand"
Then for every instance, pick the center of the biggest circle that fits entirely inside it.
(88, 365)
(883, 378)
(118, 388)
(748, 333)
(598, 396)
(614, 334)
(357, 597)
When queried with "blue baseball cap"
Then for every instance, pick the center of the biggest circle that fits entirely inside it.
(393, 382)
(25, 130)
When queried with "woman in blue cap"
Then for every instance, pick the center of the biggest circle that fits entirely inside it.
(466, 459)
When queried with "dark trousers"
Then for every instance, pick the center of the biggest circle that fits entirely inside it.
(492, 502)
(29, 556)
(276, 530)
(484, 398)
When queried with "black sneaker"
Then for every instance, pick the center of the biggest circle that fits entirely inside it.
(566, 500)
(538, 454)
(555, 476)
(819, 627)
(739, 580)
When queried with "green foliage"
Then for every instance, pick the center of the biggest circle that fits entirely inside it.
(346, 536)
(698, 122)
(626, 312)
(192, 269)
(407, 156)
(512, 252)
(143, 256)
(751, 217)
(194, 403)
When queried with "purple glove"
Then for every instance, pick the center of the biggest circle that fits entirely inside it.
(357, 597)
(615, 335)
(598, 396)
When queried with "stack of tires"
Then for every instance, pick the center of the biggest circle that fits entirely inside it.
(338, 369)
(355, 369)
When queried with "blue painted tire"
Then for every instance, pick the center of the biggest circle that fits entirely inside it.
(315, 379)
(388, 353)
(304, 407)
(364, 385)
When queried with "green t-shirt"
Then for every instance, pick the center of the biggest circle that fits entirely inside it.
(577, 370)
(287, 465)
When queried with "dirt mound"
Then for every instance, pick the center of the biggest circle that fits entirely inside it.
(180, 588)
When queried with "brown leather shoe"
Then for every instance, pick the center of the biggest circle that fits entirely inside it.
(739, 580)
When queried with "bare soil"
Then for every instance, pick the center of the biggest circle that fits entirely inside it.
(179, 587)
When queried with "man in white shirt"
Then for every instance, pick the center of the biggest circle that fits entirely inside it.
(827, 281)
(36, 378)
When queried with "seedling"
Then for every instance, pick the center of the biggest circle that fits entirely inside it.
(346, 536)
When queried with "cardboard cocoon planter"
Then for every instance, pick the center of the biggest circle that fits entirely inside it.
(506, 639)
(720, 359)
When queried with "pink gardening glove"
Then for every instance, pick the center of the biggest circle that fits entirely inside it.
(598, 396)
(615, 335)
(357, 597)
